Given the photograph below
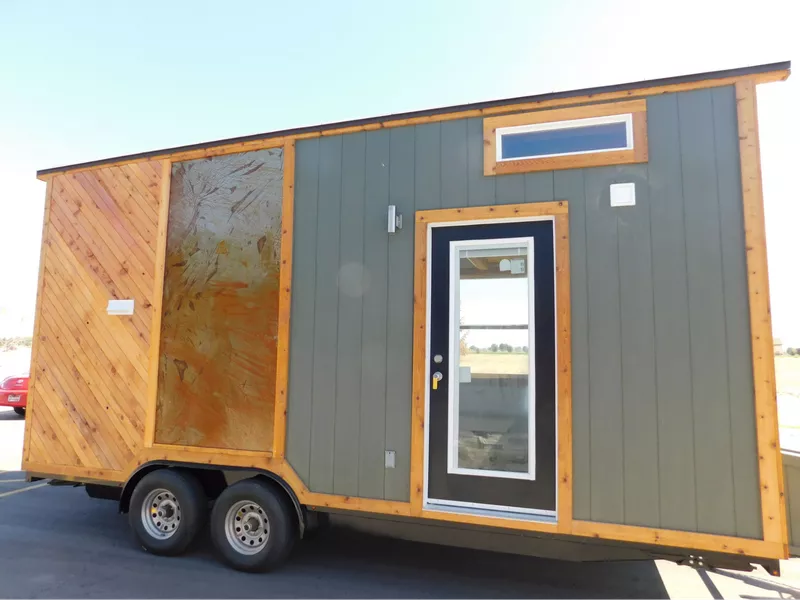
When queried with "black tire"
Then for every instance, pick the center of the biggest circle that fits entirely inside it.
(188, 521)
(268, 502)
(19, 410)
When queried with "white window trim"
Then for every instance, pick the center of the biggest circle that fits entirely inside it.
(626, 118)
(453, 368)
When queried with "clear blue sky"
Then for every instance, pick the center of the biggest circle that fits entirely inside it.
(86, 80)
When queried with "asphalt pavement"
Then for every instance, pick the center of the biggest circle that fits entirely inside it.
(56, 542)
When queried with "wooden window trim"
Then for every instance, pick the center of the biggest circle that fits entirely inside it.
(637, 154)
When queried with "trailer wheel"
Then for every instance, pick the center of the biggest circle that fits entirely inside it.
(252, 526)
(20, 410)
(167, 509)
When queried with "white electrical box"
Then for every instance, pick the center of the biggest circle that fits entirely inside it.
(623, 194)
(120, 307)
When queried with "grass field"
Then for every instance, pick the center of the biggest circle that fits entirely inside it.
(505, 363)
(787, 375)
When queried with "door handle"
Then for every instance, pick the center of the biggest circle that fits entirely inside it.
(437, 377)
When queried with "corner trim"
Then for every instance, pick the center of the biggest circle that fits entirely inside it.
(284, 303)
(157, 304)
(770, 468)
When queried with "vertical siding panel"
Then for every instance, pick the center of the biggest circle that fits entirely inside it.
(351, 290)
(640, 416)
(374, 304)
(510, 189)
(569, 186)
(301, 349)
(605, 361)
(427, 169)
(400, 317)
(715, 512)
(539, 187)
(673, 373)
(480, 189)
(747, 502)
(454, 163)
(325, 314)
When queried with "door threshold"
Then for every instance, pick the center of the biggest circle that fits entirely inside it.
(497, 512)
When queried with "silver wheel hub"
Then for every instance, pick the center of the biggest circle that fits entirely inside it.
(161, 514)
(246, 527)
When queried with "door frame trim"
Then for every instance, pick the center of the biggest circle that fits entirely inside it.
(425, 220)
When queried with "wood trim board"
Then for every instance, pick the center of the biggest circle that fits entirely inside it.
(637, 154)
(158, 298)
(424, 219)
(284, 302)
(37, 322)
(770, 467)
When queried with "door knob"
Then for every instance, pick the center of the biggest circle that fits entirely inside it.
(437, 377)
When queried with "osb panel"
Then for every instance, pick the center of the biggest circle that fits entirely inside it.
(89, 389)
(216, 384)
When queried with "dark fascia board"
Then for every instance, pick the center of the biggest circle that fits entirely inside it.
(711, 75)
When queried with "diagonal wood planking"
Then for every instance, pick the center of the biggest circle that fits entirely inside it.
(90, 387)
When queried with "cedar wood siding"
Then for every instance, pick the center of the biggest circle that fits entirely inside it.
(663, 410)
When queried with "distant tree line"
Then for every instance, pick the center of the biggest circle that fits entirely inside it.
(500, 348)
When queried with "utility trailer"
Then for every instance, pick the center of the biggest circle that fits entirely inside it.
(538, 325)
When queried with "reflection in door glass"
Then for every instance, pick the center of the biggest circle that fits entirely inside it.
(492, 398)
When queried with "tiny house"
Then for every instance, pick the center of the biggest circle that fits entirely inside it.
(538, 325)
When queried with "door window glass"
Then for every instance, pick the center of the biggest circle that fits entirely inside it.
(491, 395)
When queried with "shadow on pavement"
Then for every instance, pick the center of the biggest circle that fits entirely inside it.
(57, 542)
(479, 574)
(10, 415)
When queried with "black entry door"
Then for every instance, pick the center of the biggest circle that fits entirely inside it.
(491, 431)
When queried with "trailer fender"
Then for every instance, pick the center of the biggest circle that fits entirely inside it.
(230, 474)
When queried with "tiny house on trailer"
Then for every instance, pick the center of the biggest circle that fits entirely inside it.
(538, 325)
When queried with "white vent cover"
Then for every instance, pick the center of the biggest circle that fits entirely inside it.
(120, 307)
(623, 194)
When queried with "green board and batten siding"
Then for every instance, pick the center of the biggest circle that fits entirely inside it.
(663, 414)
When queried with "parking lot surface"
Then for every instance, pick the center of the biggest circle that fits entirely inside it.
(56, 542)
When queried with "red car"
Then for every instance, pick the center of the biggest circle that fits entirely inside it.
(14, 393)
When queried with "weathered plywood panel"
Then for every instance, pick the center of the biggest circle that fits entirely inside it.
(89, 377)
(217, 365)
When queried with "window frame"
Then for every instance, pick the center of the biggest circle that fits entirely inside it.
(633, 113)
(454, 385)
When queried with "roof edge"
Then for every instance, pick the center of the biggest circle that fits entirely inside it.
(782, 68)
